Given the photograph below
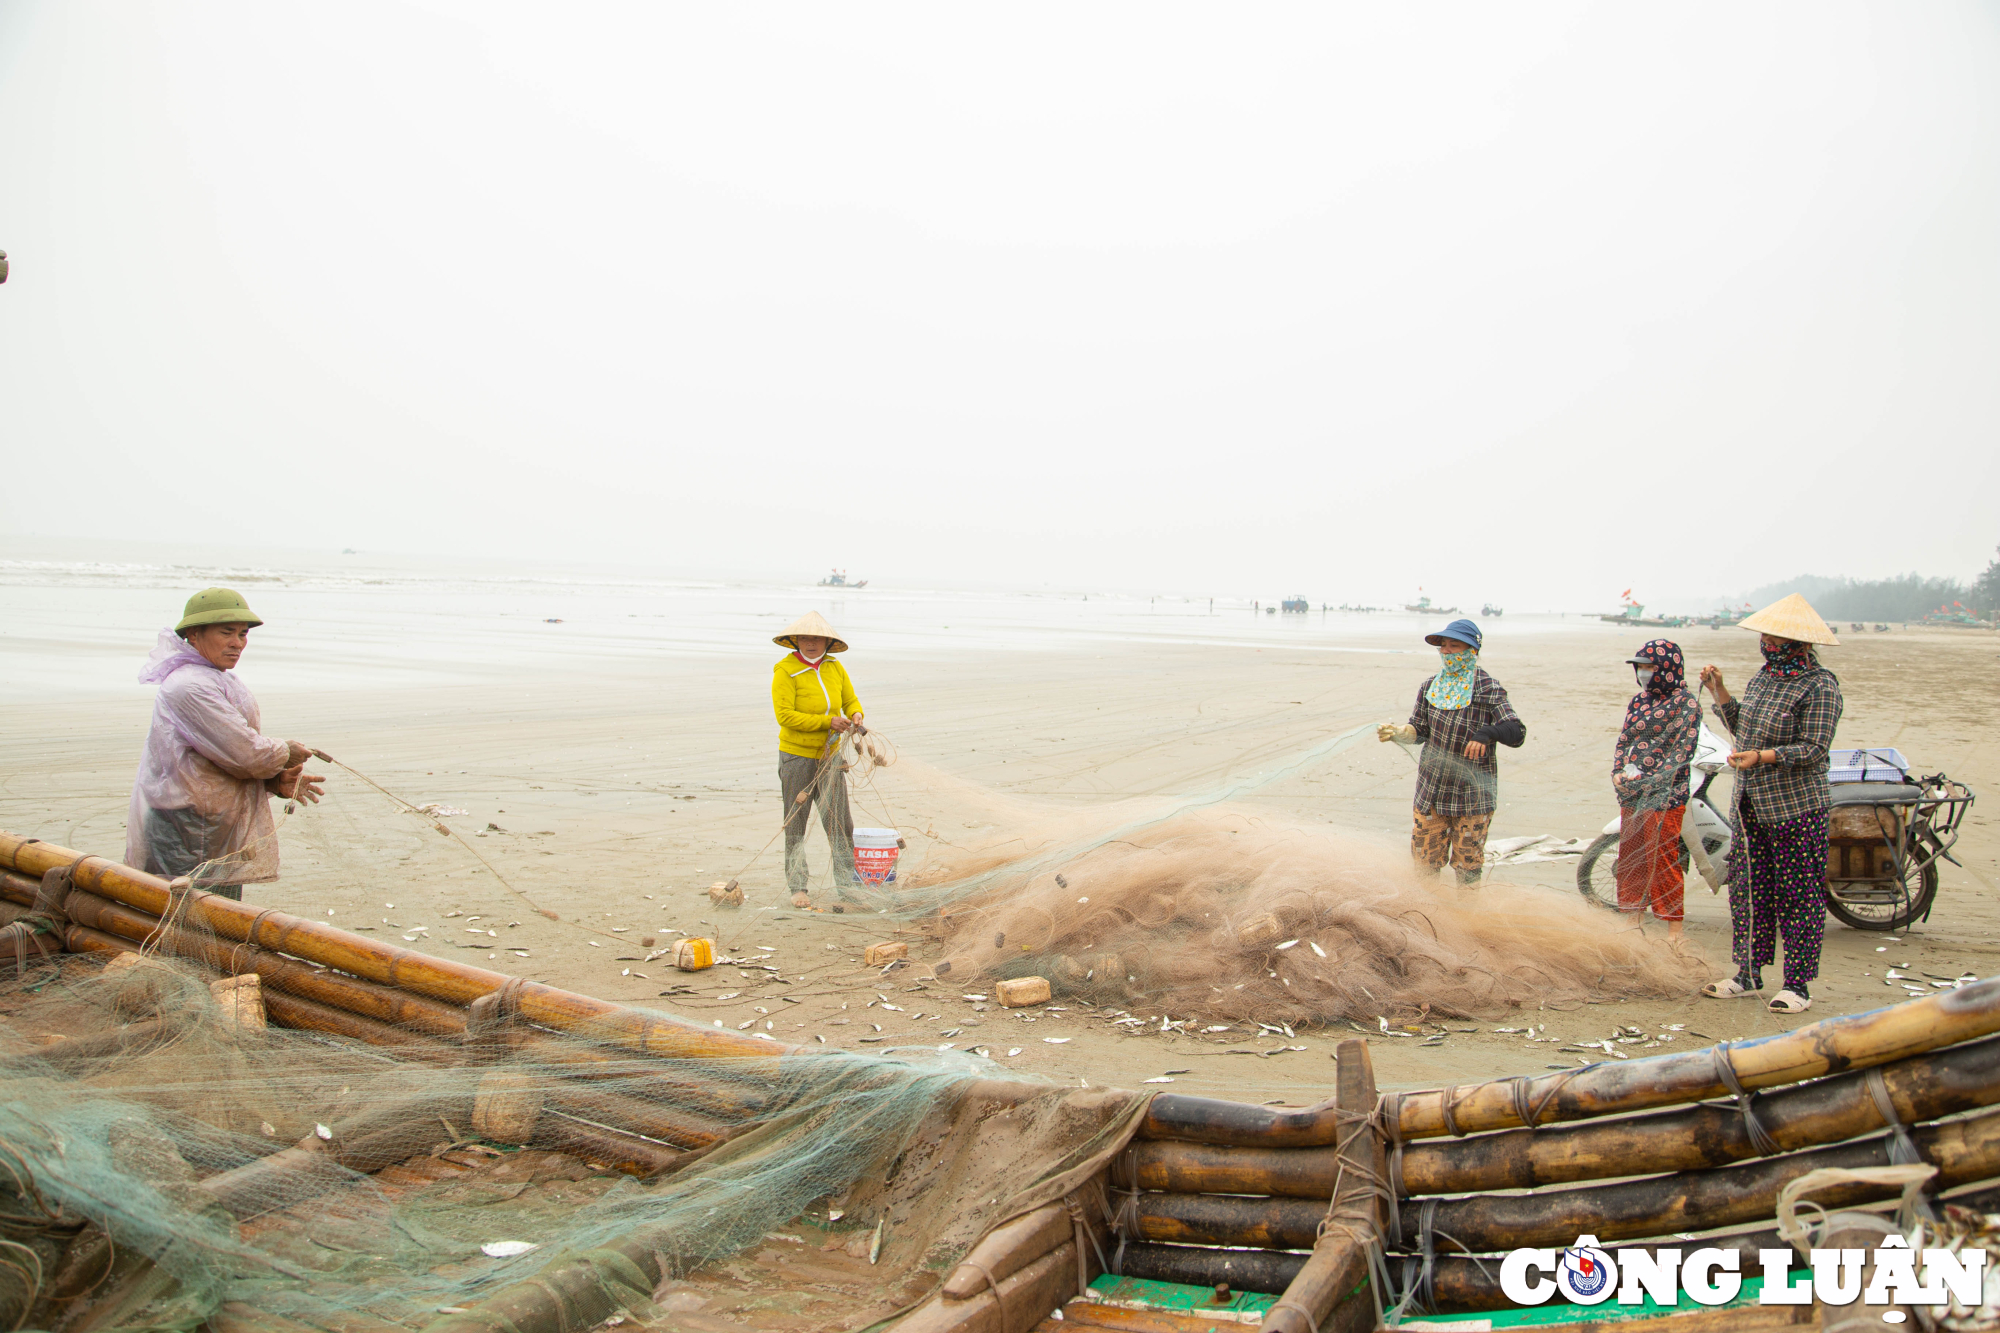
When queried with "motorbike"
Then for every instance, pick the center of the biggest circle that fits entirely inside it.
(1705, 831)
(1884, 840)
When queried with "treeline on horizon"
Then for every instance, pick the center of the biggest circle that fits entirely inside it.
(1906, 597)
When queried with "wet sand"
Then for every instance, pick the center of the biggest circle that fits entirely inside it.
(618, 783)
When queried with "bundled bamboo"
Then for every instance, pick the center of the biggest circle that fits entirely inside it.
(1963, 1151)
(1226, 1219)
(1852, 1041)
(1922, 1087)
(1201, 1266)
(1211, 1120)
(1919, 1088)
(381, 1003)
(421, 974)
(294, 1011)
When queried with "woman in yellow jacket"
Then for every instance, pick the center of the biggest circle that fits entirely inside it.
(815, 704)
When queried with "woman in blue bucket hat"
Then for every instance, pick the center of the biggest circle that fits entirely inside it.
(1460, 715)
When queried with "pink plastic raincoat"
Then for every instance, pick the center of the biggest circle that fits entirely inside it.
(200, 795)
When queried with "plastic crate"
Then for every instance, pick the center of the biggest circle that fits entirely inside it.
(1883, 764)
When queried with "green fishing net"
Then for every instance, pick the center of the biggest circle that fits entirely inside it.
(165, 1164)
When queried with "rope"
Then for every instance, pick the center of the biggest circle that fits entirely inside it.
(1082, 1261)
(1390, 1111)
(249, 940)
(1127, 1216)
(1902, 1148)
(1528, 1110)
(411, 807)
(992, 1286)
(46, 918)
(1760, 1138)
(1424, 1292)
(1449, 1111)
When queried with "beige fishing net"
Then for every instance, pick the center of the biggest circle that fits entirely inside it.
(1206, 909)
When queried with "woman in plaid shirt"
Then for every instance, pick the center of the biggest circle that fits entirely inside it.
(1461, 713)
(1783, 725)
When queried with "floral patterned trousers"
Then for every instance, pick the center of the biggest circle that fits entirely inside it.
(1457, 839)
(1777, 886)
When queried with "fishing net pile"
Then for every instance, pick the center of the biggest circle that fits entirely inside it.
(172, 1157)
(1208, 908)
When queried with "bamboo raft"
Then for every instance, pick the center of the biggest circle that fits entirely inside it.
(1340, 1210)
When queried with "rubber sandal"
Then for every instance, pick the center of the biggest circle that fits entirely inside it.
(1726, 989)
(1790, 1002)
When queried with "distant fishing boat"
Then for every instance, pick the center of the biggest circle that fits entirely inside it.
(838, 579)
(1489, 610)
(1635, 614)
(1422, 606)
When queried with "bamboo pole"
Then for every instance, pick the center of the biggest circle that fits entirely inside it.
(1204, 1168)
(1224, 1219)
(607, 1146)
(1331, 1293)
(405, 969)
(677, 1129)
(294, 1011)
(1007, 1249)
(1212, 1120)
(1200, 1266)
(1100, 1317)
(364, 1143)
(18, 888)
(1017, 1305)
(709, 1090)
(381, 1003)
(1922, 1087)
(1850, 1041)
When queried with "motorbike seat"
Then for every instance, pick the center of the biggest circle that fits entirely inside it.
(1875, 793)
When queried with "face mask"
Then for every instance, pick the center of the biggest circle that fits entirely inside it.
(1644, 674)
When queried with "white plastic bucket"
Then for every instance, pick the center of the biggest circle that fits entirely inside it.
(875, 854)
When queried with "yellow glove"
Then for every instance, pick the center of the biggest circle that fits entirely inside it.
(1403, 735)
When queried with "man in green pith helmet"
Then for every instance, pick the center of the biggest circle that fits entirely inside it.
(202, 802)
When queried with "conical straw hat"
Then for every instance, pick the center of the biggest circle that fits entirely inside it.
(812, 622)
(1790, 618)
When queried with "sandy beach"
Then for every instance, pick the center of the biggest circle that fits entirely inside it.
(610, 742)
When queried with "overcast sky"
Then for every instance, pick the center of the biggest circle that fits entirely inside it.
(1528, 302)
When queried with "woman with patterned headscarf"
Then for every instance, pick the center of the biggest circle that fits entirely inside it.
(1461, 713)
(1783, 726)
(1649, 772)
